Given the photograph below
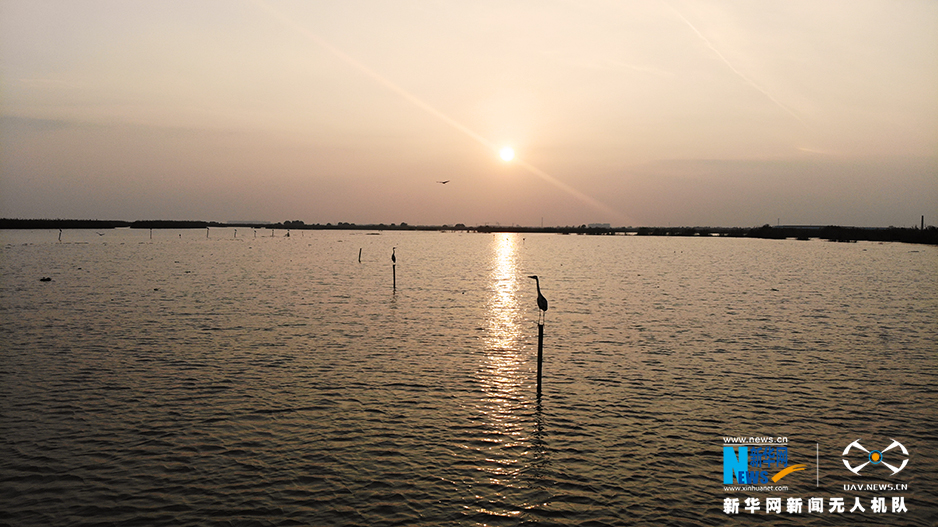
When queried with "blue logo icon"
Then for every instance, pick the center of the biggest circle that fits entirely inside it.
(748, 467)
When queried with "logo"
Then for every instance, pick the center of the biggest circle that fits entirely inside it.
(750, 466)
(875, 457)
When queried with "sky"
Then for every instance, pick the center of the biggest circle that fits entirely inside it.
(645, 113)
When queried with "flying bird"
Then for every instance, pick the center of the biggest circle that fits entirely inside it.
(541, 301)
(443, 182)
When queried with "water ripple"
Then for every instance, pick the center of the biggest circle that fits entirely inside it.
(196, 382)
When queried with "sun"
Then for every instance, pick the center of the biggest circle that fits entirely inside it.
(507, 153)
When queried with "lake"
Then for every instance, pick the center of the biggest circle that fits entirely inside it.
(235, 377)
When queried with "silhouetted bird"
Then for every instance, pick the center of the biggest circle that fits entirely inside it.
(393, 258)
(541, 301)
(443, 182)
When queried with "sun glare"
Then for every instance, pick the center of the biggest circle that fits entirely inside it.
(507, 153)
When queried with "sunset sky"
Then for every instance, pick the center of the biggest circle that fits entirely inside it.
(666, 112)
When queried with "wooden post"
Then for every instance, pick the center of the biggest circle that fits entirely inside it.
(540, 355)
(394, 268)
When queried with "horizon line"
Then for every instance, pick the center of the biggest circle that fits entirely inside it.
(300, 224)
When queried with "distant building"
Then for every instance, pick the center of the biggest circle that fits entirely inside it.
(805, 227)
(599, 226)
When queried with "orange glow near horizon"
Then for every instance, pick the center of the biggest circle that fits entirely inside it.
(507, 153)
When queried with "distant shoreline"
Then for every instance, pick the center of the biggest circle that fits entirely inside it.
(928, 235)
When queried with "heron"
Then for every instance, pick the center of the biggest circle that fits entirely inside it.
(393, 258)
(541, 301)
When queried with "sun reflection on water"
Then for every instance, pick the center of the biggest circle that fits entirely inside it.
(504, 310)
(503, 369)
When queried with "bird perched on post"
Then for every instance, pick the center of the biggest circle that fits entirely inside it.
(393, 258)
(541, 301)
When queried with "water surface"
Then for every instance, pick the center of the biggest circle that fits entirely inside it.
(244, 379)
